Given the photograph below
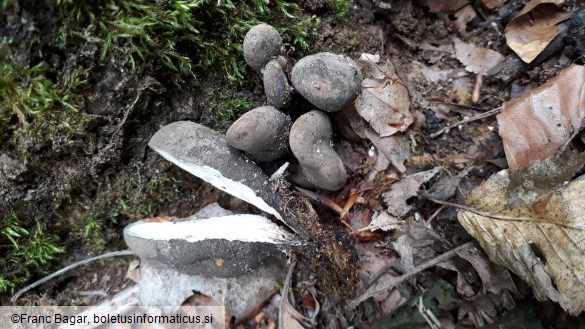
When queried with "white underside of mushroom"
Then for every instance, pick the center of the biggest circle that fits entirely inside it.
(215, 178)
(245, 228)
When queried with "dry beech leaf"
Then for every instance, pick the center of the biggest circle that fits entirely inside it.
(384, 101)
(495, 278)
(384, 221)
(461, 18)
(534, 28)
(476, 59)
(408, 187)
(546, 249)
(536, 125)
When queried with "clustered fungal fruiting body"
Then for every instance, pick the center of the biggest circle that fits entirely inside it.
(276, 85)
(328, 81)
(261, 43)
(310, 142)
(259, 133)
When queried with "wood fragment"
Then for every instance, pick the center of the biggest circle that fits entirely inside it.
(434, 215)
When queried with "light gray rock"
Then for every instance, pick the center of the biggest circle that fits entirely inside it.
(310, 142)
(261, 43)
(328, 81)
(163, 285)
(262, 133)
(276, 85)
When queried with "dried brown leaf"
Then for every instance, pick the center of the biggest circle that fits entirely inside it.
(536, 125)
(461, 17)
(401, 191)
(534, 28)
(351, 124)
(476, 59)
(352, 157)
(495, 278)
(481, 310)
(547, 250)
(384, 101)
(384, 221)
(464, 287)
(395, 148)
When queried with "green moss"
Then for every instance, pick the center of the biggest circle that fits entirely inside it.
(182, 37)
(229, 109)
(27, 92)
(339, 8)
(28, 252)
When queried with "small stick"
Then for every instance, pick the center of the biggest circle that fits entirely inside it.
(322, 200)
(348, 204)
(439, 259)
(69, 268)
(435, 214)
(484, 115)
(476, 89)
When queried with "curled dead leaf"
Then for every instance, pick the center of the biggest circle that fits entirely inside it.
(547, 250)
(384, 101)
(395, 148)
(405, 189)
(534, 28)
(536, 125)
(476, 59)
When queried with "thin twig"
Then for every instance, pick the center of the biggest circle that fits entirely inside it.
(285, 305)
(439, 259)
(434, 215)
(484, 115)
(477, 89)
(321, 199)
(69, 268)
(506, 218)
